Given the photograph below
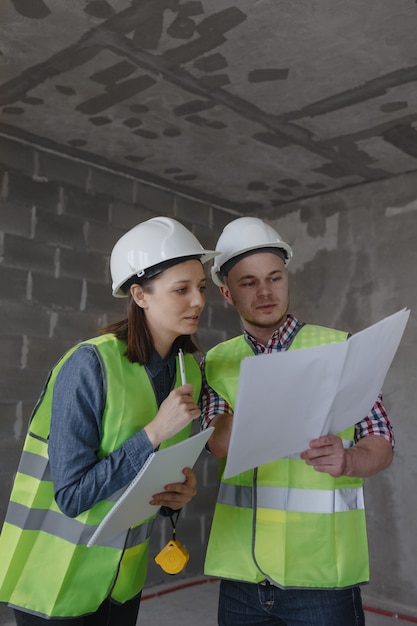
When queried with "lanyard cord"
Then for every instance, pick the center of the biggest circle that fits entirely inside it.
(174, 523)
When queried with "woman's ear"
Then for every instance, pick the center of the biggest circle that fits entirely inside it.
(139, 296)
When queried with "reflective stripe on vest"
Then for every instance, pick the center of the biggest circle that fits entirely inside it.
(284, 521)
(294, 500)
(71, 530)
(45, 560)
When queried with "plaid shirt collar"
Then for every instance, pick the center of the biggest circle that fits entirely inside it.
(280, 338)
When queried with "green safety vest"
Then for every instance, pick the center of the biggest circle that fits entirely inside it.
(283, 521)
(46, 567)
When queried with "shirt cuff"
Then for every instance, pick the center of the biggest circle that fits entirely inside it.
(138, 448)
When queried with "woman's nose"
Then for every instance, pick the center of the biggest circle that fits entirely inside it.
(198, 299)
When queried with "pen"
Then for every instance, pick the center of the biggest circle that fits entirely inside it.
(182, 366)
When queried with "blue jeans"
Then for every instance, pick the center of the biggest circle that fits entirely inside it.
(247, 604)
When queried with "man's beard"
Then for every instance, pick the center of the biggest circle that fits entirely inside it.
(271, 324)
(276, 322)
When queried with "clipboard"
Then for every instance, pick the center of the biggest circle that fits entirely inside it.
(162, 467)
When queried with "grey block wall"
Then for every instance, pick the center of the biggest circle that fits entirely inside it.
(59, 220)
(354, 263)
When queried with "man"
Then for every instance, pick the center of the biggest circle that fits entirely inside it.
(288, 538)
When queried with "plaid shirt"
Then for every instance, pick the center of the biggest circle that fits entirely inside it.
(375, 423)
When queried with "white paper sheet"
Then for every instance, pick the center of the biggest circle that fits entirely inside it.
(163, 467)
(286, 399)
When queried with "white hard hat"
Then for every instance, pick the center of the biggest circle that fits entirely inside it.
(149, 244)
(243, 235)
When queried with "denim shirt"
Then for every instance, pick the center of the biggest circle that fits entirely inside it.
(80, 478)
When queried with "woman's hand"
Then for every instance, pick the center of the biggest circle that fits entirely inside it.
(176, 495)
(175, 412)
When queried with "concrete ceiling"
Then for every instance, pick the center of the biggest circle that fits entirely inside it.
(251, 104)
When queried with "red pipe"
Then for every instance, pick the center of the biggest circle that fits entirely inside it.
(184, 585)
(405, 618)
(193, 583)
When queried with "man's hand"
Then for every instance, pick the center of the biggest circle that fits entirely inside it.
(176, 495)
(367, 457)
(326, 454)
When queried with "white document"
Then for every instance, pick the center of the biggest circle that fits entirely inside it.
(286, 399)
(162, 467)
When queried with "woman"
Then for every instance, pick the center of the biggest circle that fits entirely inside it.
(107, 405)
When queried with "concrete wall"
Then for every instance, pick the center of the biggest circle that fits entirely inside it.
(354, 263)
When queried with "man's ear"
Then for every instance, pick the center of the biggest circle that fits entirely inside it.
(139, 296)
(225, 291)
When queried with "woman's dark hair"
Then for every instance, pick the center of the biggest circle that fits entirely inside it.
(134, 331)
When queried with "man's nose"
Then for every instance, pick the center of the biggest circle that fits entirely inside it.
(264, 289)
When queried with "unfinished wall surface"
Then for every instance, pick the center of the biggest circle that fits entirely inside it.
(355, 260)
(354, 263)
